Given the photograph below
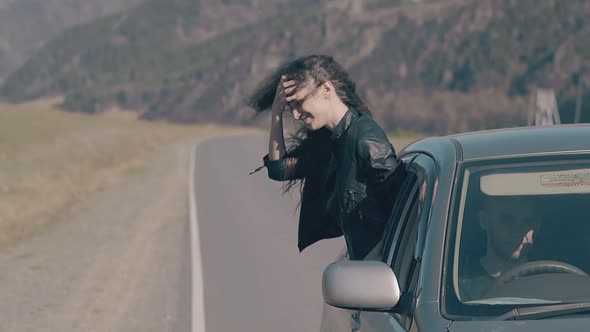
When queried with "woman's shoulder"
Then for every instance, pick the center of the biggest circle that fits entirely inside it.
(369, 129)
(371, 140)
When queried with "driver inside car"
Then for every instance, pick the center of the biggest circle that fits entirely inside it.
(509, 224)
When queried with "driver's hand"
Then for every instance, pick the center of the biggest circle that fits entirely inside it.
(527, 242)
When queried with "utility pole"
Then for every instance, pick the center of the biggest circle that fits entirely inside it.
(544, 111)
(579, 94)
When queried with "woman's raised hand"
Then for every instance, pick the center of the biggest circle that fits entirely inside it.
(284, 89)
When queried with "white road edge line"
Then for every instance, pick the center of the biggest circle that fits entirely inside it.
(197, 297)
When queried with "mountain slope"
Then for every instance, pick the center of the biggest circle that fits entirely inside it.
(436, 67)
(25, 25)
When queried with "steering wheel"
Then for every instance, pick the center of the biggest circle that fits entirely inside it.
(536, 267)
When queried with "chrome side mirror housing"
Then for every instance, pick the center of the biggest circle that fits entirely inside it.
(360, 285)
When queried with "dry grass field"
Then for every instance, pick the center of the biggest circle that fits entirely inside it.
(51, 159)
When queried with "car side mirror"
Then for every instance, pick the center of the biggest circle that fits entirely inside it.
(360, 285)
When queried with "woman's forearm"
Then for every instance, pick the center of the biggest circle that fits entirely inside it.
(276, 144)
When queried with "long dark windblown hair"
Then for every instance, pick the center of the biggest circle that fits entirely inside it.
(312, 70)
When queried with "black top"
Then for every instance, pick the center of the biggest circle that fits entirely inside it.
(351, 178)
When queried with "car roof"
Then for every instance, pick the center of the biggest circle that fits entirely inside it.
(524, 140)
(510, 142)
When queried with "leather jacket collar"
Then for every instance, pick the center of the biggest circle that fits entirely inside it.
(350, 115)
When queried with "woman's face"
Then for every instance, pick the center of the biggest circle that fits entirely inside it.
(310, 107)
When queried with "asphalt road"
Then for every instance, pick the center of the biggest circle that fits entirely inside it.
(254, 278)
(121, 259)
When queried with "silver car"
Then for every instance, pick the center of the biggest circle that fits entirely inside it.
(491, 232)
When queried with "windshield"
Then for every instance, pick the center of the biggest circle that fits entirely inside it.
(521, 235)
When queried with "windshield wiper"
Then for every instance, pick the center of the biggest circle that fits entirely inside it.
(547, 311)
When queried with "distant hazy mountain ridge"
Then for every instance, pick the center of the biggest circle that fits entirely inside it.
(25, 25)
(439, 66)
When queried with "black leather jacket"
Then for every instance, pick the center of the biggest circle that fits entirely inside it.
(350, 183)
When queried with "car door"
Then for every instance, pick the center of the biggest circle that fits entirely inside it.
(337, 319)
(403, 249)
